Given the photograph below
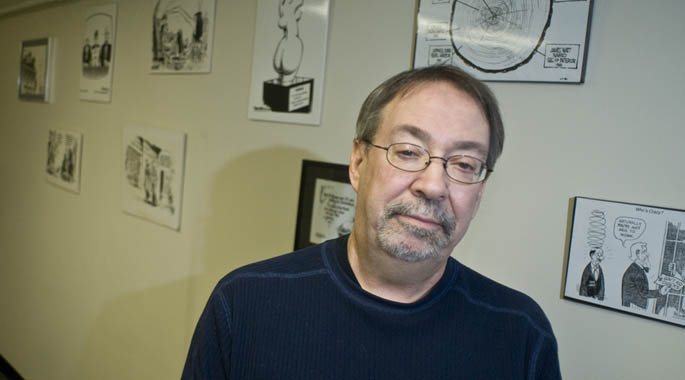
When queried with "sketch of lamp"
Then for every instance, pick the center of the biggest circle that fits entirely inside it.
(288, 92)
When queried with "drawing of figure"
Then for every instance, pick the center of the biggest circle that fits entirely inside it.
(150, 183)
(95, 50)
(635, 285)
(86, 54)
(67, 170)
(592, 280)
(288, 54)
(106, 51)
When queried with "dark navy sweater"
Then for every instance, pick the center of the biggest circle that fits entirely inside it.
(304, 316)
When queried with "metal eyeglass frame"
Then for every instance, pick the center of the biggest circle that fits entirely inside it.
(430, 160)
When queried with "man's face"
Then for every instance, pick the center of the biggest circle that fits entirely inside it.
(643, 256)
(416, 216)
(597, 257)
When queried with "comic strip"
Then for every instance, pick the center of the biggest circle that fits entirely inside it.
(514, 40)
(153, 162)
(628, 257)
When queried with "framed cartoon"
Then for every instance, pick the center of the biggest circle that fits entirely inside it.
(153, 170)
(326, 205)
(289, 61)
(506, 40)
(35, 69)
(97, 53)
(182, 36)
(629, 258)
(63, 164)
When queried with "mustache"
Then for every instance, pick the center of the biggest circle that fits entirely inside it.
(424, 208)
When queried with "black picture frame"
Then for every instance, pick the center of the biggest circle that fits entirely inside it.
(311, 171)
(627, 237)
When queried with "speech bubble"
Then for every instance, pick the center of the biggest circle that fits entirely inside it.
(626, 228)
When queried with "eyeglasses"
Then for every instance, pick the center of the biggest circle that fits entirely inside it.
(415, 158)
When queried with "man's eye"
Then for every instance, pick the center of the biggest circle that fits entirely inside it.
(407, 154)
(465, 166)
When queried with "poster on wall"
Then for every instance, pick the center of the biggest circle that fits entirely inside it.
(289, 61)
(97, 53)
(182, 36)
(327, 203)
(63, 163)
(35, 69)
(153, 161)
(514, 40)
(628, 257)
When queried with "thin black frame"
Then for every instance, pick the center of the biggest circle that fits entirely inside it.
(565, 280)
(311, 170)
(47, 64)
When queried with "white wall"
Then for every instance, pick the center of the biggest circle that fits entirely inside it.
(87, 292)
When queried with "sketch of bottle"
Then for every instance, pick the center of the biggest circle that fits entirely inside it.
(288, 92)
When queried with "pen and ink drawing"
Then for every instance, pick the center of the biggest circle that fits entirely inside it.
(289, 60)
(620, 272)
(153, 161)
(333, 209)
(182, 36)
(508, 40)
(35, 66)
(97, 53)
(63, 163)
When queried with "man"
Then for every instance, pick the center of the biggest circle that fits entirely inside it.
(388, 301)
(592, 279)
(106, 51)
(635, 285)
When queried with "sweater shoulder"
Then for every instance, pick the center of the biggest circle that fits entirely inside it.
(300, 263)
(490, 294)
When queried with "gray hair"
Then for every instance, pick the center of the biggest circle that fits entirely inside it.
(371, 111)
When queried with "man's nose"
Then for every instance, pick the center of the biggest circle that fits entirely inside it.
(432, 182)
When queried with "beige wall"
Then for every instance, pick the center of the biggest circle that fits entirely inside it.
(88, 292)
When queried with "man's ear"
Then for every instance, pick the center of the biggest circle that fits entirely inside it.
(357, 158)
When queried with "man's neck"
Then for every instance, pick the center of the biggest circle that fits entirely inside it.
(390, 278)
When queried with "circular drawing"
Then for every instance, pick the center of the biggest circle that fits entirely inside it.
(496, 36)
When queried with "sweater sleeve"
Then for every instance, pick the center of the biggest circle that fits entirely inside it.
(547, 360)
(209, 354)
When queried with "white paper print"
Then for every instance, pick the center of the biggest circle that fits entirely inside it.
(63, 164)
(332, 210)
(97, 53)
(512, 40)
(182, 36)
(153, 161)
(289, 61)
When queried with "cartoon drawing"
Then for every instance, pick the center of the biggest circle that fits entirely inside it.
(635, 285)
(509, 40)
(627, 271)
(182, 34)
(153, 174)
(592, 281)
(288, 92)
(482, 35)
(97, 53)
(63, 162)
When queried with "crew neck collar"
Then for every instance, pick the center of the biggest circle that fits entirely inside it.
(335, 256)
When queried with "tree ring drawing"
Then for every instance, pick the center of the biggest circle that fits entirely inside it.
(498, 36)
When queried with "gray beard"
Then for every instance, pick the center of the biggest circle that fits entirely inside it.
(436, 240)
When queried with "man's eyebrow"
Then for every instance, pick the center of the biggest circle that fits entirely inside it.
(420, 134)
